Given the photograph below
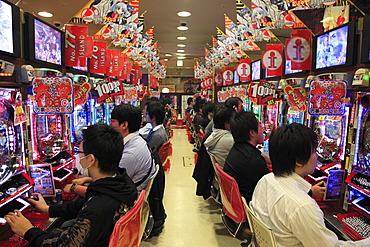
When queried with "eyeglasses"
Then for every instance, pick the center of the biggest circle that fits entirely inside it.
(76, 152)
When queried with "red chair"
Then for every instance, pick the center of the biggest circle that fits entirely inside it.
(164, 153)
(129, 229)
(232, 204)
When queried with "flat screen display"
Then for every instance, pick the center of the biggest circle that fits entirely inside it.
(6, 27)
(256, 70)
(236, 77)
(42, 175)
(288, 68)
(331, 48)
(48, 43)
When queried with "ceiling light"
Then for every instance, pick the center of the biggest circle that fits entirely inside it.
(181, 45)
(181, 38)
(180, 63)
(166, 59)
(182, 28)
(184, 14)
(180, 50)
(165, 90)
(168, 55)
(45, 14)
(181, 57)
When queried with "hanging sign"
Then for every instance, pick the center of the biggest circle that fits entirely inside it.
(264, 92)
(218, 79)
(228, 76)
(81, 93)
(76, 45)
(272, 59)
(107, 89)
(53, 95)
(327, 97)
(130, 93)
(244, 69)
(20, 116)
(98, 59)
(298, 49)
(297, 98)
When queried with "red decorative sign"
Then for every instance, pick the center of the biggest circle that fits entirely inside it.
(218, 78)
(298, 49)
(53, 95)
(327, 97)
(130, 93)
(107, 89)
(81, 93)
(98, 59)
(297, 98)
(76, 45)
(113, 67)
(264, 92)
(272, 59)
(244, 69)
(228, 76)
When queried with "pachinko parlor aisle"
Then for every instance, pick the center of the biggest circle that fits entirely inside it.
(146, 122)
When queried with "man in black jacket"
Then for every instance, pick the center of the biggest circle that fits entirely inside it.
(107, 198)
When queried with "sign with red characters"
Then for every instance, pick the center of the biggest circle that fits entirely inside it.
(298, 49)
(98, 59)
(297, 98)
(81, 93)
(53, 95)
(272, 59)
(264, 92)
(77, 45)
(228, 76)
(244, 69)
(327, 97)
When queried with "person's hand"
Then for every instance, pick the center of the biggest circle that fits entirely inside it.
(81, 181)
(40, 205)
(67, 188)
(19, 224)
(267, 158)
(318, 190)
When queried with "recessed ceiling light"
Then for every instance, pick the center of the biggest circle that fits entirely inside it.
(181, 45)
(181, 38)
(168, 55)
(45, 14)
(180, 63)
(181, 57)
(184, 14)
(182, 28)
(166, 59)
(180, 50)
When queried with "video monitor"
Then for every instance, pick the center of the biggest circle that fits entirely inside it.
(365, 42)
(42, 175)
(334, 185)
(44, 42)
(335, 47)
(9, 29)
(236, 77)
(288, 68)
(256, 70)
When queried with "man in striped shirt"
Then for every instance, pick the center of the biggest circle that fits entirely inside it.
(280, 198)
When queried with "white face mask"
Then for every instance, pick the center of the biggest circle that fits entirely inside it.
(84, 171)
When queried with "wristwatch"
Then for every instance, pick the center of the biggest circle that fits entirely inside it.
(73, 187)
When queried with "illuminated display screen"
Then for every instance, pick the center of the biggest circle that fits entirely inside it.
(256, 70)
(6, 27)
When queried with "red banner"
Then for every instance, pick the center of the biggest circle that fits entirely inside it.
(228, 76)
(153, 82)
(218, 79)
(113, 67)
(244, 70)
(98, 60)
(297, 98)
(135, 74)
(272, 59)
(263, 92)
(53, 95)
(90, 46)
(76, 45)
(81, 93)
(298, 49)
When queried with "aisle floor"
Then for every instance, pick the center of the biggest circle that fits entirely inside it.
(191, 220)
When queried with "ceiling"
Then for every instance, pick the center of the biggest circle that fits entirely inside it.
(162, 14)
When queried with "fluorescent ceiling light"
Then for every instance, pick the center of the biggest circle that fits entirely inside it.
(181, 45)
(45, 14)
(181, 38)
(181, 57)
(180, 50)
(182, 28)
(166, 59)
(184, 14)
(180, 63)
(168, 55)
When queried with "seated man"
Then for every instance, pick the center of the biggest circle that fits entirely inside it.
(157, 136)
(280, 198)
(108, 197)
(220, 141)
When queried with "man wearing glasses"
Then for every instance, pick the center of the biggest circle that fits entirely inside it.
(107, 198)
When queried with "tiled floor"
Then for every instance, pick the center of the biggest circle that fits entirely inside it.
(191, 220)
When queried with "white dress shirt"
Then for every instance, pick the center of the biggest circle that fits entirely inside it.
(283, 204)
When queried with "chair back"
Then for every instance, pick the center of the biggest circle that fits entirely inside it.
(150, 181)
(129, 229)
(164, 151)
(263, 235)
(230, 195)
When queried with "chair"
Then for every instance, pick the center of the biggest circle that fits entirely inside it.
(232, 204)
(263, 236)
(164, 153)
(215, 190)
(129, 229)
(150, 181)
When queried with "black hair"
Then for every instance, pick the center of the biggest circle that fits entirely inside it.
(106, 144)
(128, 113)
(156, 110)
(152, 99)
(291, 144)
(241, 125)
(189, 100)
(207, 108)
(199, 103)
(233, 101)
(222, 115)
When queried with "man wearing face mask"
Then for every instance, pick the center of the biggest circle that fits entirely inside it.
(107, 198)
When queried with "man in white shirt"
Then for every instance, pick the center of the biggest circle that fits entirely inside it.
(280, 198)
